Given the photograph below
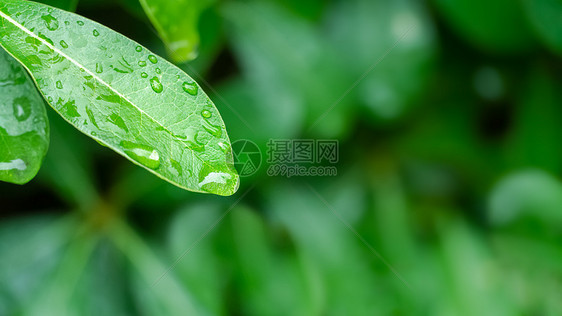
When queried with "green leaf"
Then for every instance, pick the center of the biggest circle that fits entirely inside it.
(463, 255)
(67, 169)
(526, 194)
(545, 16)
(25, 269)
(56, 294)
(24, 127)
(537, 115)
(400, 38)
(68, 5)
(494, 26)
(191, 222)
(122, 95)
(176, 22)
(155, 287)
(288, 98)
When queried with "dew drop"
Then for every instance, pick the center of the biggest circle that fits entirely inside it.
(142, 63)
(99, 68)
(50, 99)
(66, 22)
(143, 154)
(138, 49)
(118, 121)
(190, 88)
(206, 113)
(193, 140)
(212, 129)
(176, 167)
(63, 44)
(21, 108)
(16, 164)
(80, 23)
(224, 147)
(216, 178)
(156, 85)
(96, 33)
(50, 22)
(158, 71)
(59, 85)
(144, 75)
(152, 59)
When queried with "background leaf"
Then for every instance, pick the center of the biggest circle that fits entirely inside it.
(120, 94)
(24, 127)
(497, 26)
(177, 24)
(398, 39)
(545, 16)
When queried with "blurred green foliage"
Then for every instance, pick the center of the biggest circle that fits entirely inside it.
(448, 198)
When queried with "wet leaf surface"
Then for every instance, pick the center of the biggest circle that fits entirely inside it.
(176, 22)
(24, 128)
(122, 95)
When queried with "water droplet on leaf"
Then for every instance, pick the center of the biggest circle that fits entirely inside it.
(80, 23)
(215, 178)
(50, 22)
(16, 164)
(63, 44)
(59, 85)
(176, 167)
(156, 85)
(138, 49)
(190, 88)
(158, 71)
(142, 63)
(96, 33)
(143, 154)
(152, 59)
(144, 75)
(99, 68)
(118, 121)
(224, 147)
(206, 113)
(194, 143)
(212, 129)
(21, 108)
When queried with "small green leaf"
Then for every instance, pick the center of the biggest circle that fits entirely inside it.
(24, 127)
(362, 31)
(176, 22)
(493, 26)
(526, 194)
(546, 16)
(155, 287)
(122, 95)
